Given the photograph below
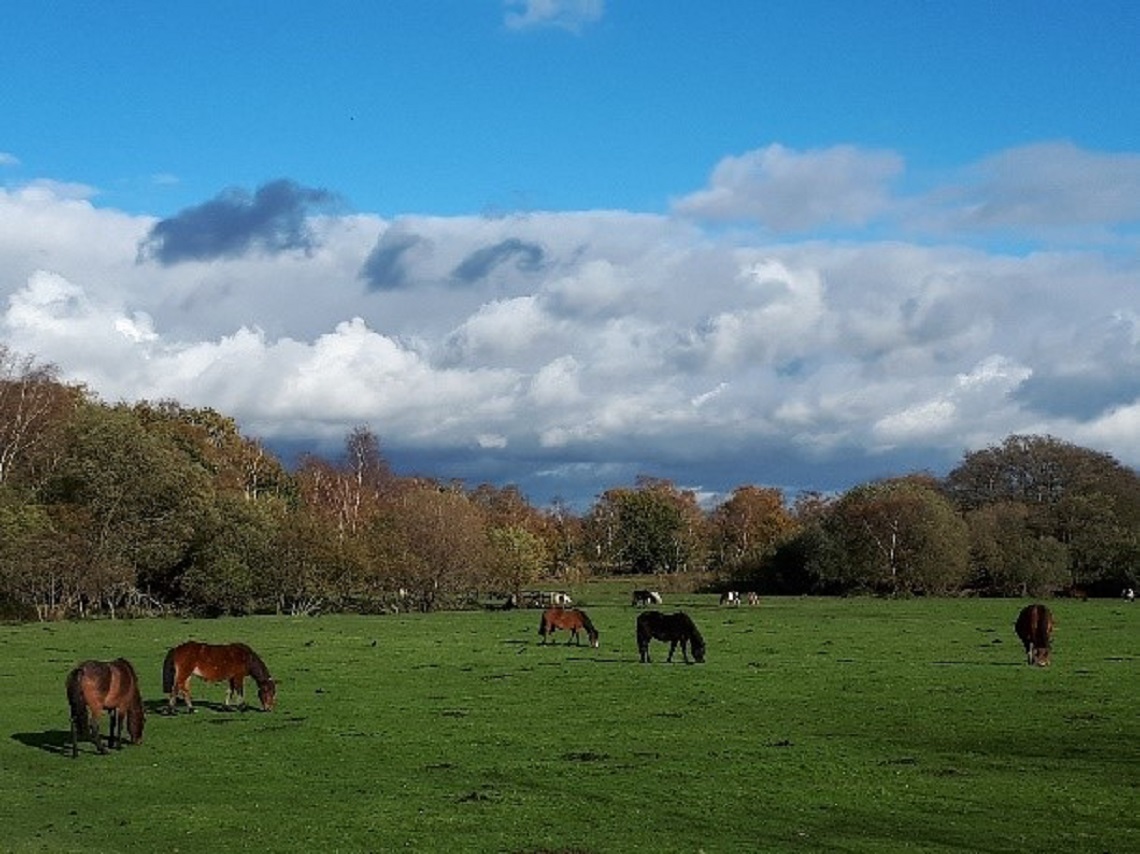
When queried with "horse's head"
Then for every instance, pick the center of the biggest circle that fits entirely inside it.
(594, 639)
(1041, 656)
(267, 694)
(697, 645)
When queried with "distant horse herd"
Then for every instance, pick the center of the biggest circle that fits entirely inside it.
(112, 687)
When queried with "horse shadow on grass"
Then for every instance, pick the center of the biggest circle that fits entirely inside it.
(56, 741)
(162, 708)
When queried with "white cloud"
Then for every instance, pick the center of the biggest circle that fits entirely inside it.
(632, 343)
(1052, 184)
(7, 159)
(788, 190)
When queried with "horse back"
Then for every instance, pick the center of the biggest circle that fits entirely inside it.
(104, 685)
(1034, 625)
(212, 662)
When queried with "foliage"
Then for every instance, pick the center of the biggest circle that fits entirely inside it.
(127, 509)
(1009, 558)
(1082, 499)
(651, 528)
(516, 559)
(747, 529)
(899, 536)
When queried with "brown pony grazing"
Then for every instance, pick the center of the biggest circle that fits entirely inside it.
(571, 619)
(1035, 628)
(676, 628)
(97, 686)
(214, 663)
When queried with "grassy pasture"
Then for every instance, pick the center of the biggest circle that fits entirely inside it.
(816, 725)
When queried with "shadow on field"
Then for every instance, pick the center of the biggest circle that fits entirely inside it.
(49, 741)
(162, 708)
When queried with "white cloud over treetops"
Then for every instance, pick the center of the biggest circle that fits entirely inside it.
(569, 352)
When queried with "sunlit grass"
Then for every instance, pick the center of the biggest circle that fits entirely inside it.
(848, 725)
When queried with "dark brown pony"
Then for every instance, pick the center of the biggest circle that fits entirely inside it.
(231, 662)
(571, 619)
(675, 628)
(94, 687)
(1035, 628)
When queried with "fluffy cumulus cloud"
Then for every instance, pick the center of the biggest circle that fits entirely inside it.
(568, 352)
(791, 191)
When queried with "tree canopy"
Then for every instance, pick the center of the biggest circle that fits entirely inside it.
(158, 506)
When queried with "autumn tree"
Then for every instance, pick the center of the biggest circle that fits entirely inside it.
(895, 536)
(652, 528)
(432, 542)
(142, 500)
(746, 529)
(516, 559)
(34, 411)
(1083, 499)
(1008, 557)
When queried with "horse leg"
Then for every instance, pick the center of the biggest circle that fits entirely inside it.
(237, 689)
(96, 736)
(672, 648)
(113, 721)
(74, 738)
(184, 690)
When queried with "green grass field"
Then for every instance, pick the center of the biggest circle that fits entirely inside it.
(816, 725)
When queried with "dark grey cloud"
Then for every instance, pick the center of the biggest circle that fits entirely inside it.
(477, 265)
(386, 268)
(1082, 397)
(273, 220)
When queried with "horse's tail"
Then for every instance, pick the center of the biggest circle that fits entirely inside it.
(542, 624)
(76, 701)
(168, 672)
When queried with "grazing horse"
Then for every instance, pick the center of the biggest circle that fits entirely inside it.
(646, 597)
(216, 662)
(1035, 628)
(730, 597)
(753, 598)
(97, 686)
(571, 619)
(675, 628)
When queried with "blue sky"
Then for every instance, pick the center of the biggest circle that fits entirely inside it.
(437, 106)
(565, 243)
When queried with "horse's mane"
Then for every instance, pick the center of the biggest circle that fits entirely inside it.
(586, 622)
(695, 637)
(257, 668)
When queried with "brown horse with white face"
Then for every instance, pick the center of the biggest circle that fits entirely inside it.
(94, 687)
(573, 620)
(231, 663)
(1034, 627)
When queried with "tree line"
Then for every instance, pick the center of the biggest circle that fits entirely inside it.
(156, 507)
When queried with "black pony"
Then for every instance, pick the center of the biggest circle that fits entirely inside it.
(675, 628)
